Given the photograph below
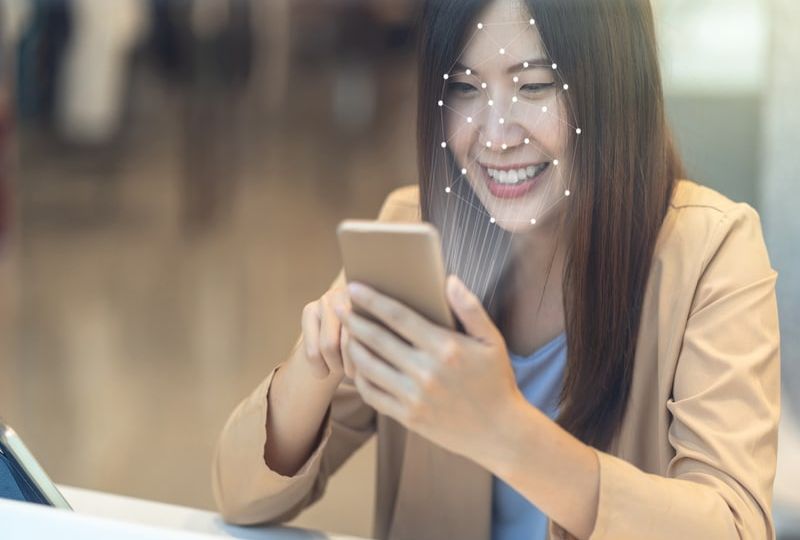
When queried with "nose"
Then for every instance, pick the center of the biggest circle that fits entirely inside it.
(499, 128)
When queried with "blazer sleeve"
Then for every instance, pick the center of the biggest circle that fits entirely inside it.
(245, 489)
(724, 408)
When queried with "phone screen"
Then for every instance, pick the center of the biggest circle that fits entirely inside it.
(15, 484)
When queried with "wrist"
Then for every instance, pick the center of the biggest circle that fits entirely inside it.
(309, 370)
(502, 446)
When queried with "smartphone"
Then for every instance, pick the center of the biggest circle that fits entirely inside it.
(21, 476)
(400, 260)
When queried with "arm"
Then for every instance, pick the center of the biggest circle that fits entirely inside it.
(280, 445)
(316, 424)
(724, 408)
(297, 403)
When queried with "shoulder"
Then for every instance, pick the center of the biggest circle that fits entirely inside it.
(689, 193)
(402, 204)
(704, 218)
(708, 238)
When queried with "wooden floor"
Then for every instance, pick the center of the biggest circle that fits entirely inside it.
(132, 327)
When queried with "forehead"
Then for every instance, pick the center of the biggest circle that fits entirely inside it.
(505, 25)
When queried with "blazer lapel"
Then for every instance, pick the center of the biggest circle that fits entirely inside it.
(440, 495)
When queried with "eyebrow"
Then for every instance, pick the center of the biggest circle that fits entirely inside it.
(532, 64)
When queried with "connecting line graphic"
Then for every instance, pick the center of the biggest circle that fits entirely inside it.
(469, 119)
(519, 109)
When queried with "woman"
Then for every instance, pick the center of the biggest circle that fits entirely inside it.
(638, 313)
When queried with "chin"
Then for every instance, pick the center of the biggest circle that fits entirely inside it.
(514, 226)
(513, 216)
(516, 217)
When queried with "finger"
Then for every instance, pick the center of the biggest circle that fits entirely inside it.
(384, 344)
(349, 369)
(330, 336)
(380, 373)
(310, 322)
(403, 320)
(379, 400)
(469, 310)
(340, 301)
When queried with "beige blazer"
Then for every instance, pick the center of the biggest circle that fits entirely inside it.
(695, 457)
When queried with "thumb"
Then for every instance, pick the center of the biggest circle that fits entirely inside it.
(469, 310)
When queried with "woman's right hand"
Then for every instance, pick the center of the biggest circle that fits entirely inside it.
(324, 338)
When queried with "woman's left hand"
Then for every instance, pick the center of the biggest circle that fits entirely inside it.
(449, 387)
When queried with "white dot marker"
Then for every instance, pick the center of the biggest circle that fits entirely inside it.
(446, 76)
(502, 120)
(444, 145)
(525, 65)
(480, 26)
(502, 51)
(527, 140)
(555, 162)
(544, 109)
(533, 221)
(492, 220)
(514, 99)
(441, 103)
(567, 193)
(566, 87)
(488, 144)
(447, 189)
(555, 66)
(469, 119)
(490, 103)
(504, 146)
(463, 171)
(515, 79)
(483, 85)
(468, 71)
(578, 131)
(532, 22)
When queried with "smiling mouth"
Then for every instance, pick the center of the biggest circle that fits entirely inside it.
(515, 176)
(515, 181)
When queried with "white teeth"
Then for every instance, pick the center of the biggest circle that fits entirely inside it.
(516, 176)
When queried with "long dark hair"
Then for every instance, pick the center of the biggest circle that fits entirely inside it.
(625, 169)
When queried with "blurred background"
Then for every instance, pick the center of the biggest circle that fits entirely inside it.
(171, 174)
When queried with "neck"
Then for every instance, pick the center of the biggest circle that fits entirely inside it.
(532, 313)
(539, 250)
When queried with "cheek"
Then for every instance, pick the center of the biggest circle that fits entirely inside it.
(550, 130)
(459, 135)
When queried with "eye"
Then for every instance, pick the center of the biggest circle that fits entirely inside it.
(461, 88)
(536, 88)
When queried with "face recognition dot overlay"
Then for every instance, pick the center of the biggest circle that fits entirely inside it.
(519, 106)
(511, 123)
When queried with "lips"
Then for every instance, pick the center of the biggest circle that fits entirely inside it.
(514, 181)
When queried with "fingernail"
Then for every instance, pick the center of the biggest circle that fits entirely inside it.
(356, 289)
(456, 288)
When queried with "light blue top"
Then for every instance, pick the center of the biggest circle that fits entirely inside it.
(540, 378)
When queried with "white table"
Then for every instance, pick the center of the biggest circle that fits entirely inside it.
(102, 515)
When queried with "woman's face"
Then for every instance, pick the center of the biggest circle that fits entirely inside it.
(505, 118)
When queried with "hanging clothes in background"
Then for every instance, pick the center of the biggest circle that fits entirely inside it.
(205, 47)
(204, 41)
(39, 55)
(14, 16)
(96, 68)
(5, 130)
(72, 63)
